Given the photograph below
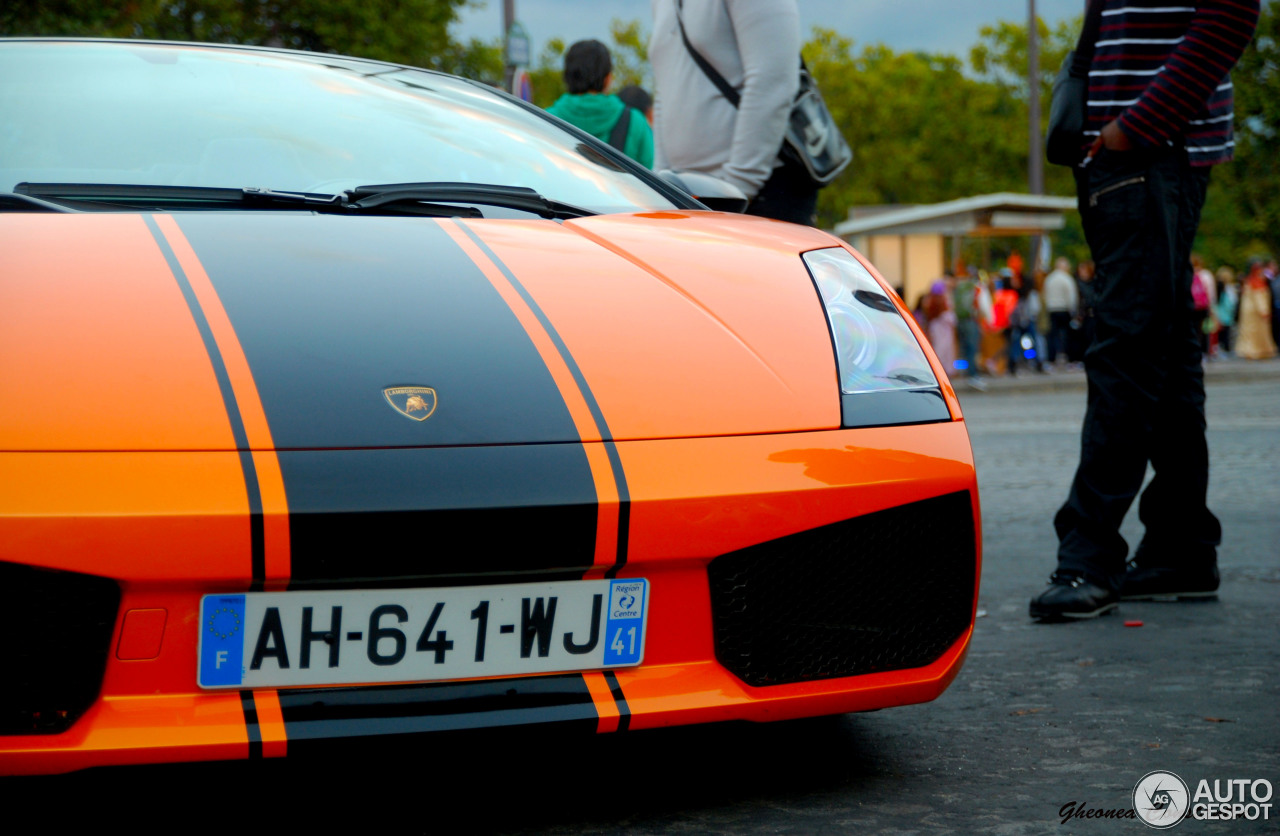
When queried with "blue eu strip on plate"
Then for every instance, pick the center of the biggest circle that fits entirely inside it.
(222, 640)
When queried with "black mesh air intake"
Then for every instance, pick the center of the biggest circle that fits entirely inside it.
(886, 591)
(55, 633)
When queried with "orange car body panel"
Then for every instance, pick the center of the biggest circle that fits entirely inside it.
(100, 352)
(683, 348)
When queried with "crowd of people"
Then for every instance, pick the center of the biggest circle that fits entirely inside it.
(984, 324)
(1242, 317)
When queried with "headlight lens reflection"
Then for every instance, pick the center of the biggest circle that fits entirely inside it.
(875, 350)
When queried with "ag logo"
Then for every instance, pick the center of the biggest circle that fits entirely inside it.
(416, 402)
(1161, 800)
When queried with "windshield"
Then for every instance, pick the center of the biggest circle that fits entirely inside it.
(147, 114)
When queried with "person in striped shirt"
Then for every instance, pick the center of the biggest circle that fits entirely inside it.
(1159, 116)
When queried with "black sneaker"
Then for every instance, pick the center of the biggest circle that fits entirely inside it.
(1164, 583)
(1071, 597)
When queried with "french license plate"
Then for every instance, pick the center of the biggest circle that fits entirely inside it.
(278, 639)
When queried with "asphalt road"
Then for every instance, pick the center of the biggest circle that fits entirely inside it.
(1041, 716)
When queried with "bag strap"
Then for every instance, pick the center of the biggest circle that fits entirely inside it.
(618, 136)
(1087, 44)
(725, 88)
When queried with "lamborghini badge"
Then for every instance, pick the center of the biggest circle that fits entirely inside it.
(416, 402)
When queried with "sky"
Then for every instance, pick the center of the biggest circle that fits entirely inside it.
(903, 25)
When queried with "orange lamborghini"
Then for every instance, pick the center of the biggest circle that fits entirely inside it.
(340, 399)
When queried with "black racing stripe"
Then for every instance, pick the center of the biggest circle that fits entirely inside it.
(256, 539)
(250, 709)
(624, 710)
(624, 521)
(395, 517)
(615, 461)
(332, 310)
(316, 714)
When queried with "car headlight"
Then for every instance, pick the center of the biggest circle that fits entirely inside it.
(885, 377)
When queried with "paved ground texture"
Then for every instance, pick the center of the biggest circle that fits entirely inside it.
(1041, 716)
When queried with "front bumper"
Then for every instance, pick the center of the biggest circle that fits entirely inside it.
(170, 527)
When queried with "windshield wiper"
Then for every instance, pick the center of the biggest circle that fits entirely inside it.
(10, 202)
(485, 194)
(170, 197)
(113, 196)
(429, 199)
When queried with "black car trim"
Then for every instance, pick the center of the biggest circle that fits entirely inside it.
(312, 715)
(894, 408)
(624, 710)
(597, 415)
(56, 629)
(370, 518)
(250, 709)
(257, 541)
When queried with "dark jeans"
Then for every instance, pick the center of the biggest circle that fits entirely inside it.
(1275, 315)
(788, 195)
(969, 335)
(1146, 384)
(1081, 338)
(1200, 318)
(1059, 333)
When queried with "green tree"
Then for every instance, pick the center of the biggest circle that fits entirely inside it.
(547, 76)
(68, 17)
(922, 130)
(414, 32)
(1242, 213)
(630, 54)
(1002, 56)
(1002, 53)
(477, 59)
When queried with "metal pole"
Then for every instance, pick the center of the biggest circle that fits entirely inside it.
(508, 18)
(1035, 159)
(1035, 170)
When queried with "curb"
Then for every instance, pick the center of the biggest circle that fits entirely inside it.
(1233, 370)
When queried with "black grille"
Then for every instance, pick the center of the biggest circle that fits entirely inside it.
(55, 633)
(886, 591)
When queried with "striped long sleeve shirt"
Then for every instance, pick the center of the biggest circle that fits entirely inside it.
(1163, 68)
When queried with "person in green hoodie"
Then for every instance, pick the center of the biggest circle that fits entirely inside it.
(588, 69)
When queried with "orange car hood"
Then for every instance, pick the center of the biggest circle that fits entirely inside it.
(226, 330)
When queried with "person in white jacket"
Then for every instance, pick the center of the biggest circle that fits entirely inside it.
(755, 46)
(1061, 299)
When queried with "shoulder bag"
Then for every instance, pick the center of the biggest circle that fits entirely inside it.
(1065, 141)
(812, 141)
